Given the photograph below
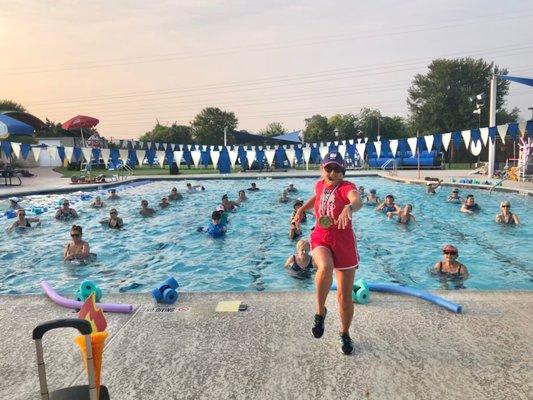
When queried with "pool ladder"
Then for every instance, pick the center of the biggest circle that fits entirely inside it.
(394, 170)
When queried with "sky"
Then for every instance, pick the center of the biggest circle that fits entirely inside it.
(133, 63)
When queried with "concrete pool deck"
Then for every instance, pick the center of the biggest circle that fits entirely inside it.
(405, 348)
(47, 180)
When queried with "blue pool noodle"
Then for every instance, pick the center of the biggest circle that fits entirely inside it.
(389, 288)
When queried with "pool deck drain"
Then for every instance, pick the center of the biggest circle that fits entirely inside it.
(405, 348)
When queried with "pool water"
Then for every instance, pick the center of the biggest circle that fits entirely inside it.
(252, 254)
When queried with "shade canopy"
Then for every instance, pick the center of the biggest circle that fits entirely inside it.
(80, 122)
(26, 118)
(12, 127)
(291, 137)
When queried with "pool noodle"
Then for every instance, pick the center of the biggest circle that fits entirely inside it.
(64, 302)
(389, 288)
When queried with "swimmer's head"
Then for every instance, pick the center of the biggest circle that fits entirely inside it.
(113, 191)
(113, 211)
(144, 203)
(389, 198)
(302, 246)
(21, 212)
(297, 204)
(14, 200)
(97, 198)
(253, 184)
(216, 216)
(361, 189)
(450, 250)
(174, 190)
(189, 186)
(505, 204)
(225, 197)
(66, 203)
(470, 199)
(372, 191)
(455, 190)
(408, 207)
(76, 231)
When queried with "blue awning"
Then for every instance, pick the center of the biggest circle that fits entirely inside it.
(293, 137)
(11, 127)
(525, 81)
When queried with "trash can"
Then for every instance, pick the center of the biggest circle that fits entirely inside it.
(174, 169)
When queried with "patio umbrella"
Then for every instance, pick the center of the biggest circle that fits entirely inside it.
(12, 127)
(27, 118)
(80, 122)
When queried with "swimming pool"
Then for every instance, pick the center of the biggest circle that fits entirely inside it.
(252, 254)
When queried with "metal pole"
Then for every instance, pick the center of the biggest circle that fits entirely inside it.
(492, 122)
(418, 155)
(225, 136)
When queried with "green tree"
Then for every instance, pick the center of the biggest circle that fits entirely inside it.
(168, 134)
(345, 126)
(273, 129)
(208, 125)
(317, 128)
(440, 101)
(9, 105)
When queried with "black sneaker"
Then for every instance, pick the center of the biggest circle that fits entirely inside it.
(346, 344)
(318, 327)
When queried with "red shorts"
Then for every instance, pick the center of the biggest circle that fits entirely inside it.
(341, 243)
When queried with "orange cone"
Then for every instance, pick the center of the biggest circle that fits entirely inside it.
(97, 345)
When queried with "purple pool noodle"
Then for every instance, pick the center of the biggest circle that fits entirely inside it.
(62, 301)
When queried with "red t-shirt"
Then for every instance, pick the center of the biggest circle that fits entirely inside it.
(331, 200)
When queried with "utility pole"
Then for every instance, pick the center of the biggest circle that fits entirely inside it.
(418, 154)
(492, 122)
(225, 136)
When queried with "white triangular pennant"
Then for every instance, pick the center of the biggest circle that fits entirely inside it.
(446, 138)
(196, 155)
(522, 128)
(366, 140)
(215, 155)
(291, 156)
(16, 149)
(466, 137)
(36, 153)
(52, 151)
(484, 135)
(350, 141)
(104, 153)
(269, 154)
(307, 154)
(123, 155)
(475, 148)
(178, 155)
(87, 153)
(69, 152)
(393, 144)
(502, 131)
(250, 157)
(429, 142)
(160, 154)
(412, 144)
(377, 145)
(361, 150)
(233, 155)
(323, 150)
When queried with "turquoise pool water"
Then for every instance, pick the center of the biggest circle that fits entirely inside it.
(252, 254)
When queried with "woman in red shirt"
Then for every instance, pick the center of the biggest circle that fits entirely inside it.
(333, 243)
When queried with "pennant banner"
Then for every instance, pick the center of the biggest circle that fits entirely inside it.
(123, 155)
(178, 154)
(291, 156)
(269, 154)
(307, 154)
(393, 144)
(104, 153)
(36, 153)
(475, 148)
(250, 157)
(342, 150)
(446, 138)
(502, 131)
(484, 135)
(69, 151)
(160, 154)
(16, 149)
(196, 155)
(323, 150)
(412, 141)
(233, 155)
(429, 142)
(360, 147)
(215, 155)
(466, 137)
(377, 145)
(52, 151)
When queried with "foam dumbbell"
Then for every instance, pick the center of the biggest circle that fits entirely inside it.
(78, 296)
(360, 292)
(87, 287)
(166, 293)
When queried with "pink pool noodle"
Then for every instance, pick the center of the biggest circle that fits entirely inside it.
(62, 301)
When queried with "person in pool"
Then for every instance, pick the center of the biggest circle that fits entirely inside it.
(506, 217)
(228, 204)
(174, 194)
(65, 212)
(291, 189)
(431, 187)
(362, 193)
(97, 203)
(372, 199)
(388, 206)
(164, 202)
(22, 221)
(193, 189)
(14, 203)
(114, 221)
(296, 206)
(242, 197)
(145, 210)
(405, 216)
(470, 206)
(224, 214)
(449, 266)
(113, 195)
(284, 198)
(300, 264)
(216, 228)
(333, 243)
(454, 196)
(253, 187)
(77, 249)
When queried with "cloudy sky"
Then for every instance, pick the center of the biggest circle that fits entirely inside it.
(130, 63)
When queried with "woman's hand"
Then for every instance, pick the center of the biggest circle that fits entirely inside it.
(297, 218)
(344, 217)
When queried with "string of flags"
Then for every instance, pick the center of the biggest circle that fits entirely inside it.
(221, 157)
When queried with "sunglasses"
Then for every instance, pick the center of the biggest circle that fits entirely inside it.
(75, 234)
(22, 214)
(113, 213)
(506, 206)
(333, 168)
(450, 253)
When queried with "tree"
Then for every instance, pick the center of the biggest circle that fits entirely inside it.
(273, 129)
(317, 128)
(208, 126)
(344, 126)
(8, 105)
(440, 100)
(168, 134)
